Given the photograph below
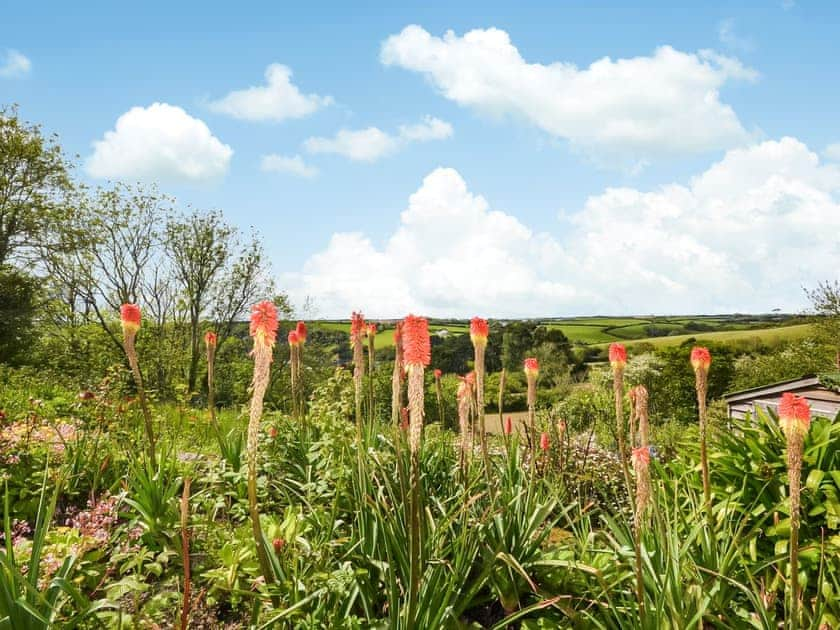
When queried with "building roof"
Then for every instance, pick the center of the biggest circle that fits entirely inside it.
(773, 388)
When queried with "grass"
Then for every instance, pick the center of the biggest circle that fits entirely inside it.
(769, 336)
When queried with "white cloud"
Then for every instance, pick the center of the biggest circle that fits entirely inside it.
(371, 144)
(729, 37)
(161, 143)
(292, 165)
(637, 108)
(745, 235)
(14, 64)
(277, 100)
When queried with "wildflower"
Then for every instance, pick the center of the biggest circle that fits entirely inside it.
(371, 330)
(544, 442)
(532, 370)
(532, 367)
(417, 354)
(300, 329)
(264, 332)
(210, 339)
(618, 356)
(795, 420)
(438, 374)
(508, 425)
(794, 415)
(478, 334)
(130, 318)
(272, 432)
(640, 457)
(701, 358)
(293, 338)
(479, 331)
(264, 324)
(357, 326)
(278, 544)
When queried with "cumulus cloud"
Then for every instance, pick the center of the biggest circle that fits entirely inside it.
(291, 165)
(832, 152)
(371, 144)
(277, 100)
(745, 235)
(14, 64)
(159, 143)
(637, 108)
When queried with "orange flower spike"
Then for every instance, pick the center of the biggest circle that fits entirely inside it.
(294, 340)
(357, 326)
(479, 331)
(794, 414)
(417, 349)
(130, 318)
(532, 367)
(618, 356)
(371, 330)
(701, 359)
(438, 374)
(210, 339)
(544, 441)
(301, 332)
(640, 457)
(264, 324)
(508, 425)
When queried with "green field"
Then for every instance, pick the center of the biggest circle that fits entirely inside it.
(659, 331)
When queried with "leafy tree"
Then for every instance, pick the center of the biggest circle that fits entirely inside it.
(18, 295)
(825, 302)
(33, 183)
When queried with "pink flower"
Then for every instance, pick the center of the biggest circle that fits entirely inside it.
(544, 442)
(130, 318)
(508, 425)
(794, 414)
(532, 367)
(618, 355)
(701, 359)
(264, 323)
(417, 349)
(438, 374)
(479, 331)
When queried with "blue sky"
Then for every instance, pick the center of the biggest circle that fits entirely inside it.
(538, 189)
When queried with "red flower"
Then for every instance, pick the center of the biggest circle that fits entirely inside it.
(417, 346)
(301, 332)
(640, 457)
(278, 544)
(532, 367)
(544, 443)
(701, 359)
(508, 425)
(618, 355)
(357, 326)
(438, 374)
(272, 432)
(264, 323)
(210, 339)
(794, 414)
(294, 340)
(130, 318)
(398, 334)
(479, 331)
(371, 330)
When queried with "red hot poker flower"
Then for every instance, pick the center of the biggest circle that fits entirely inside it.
(294, 340)
(210, 339)
(544, 442)
(794, 414)
(508, 425)
(640, 457)
(532, 367)
(371, 330)
(618, 355)
(398, 334)
(264, 323)
(438, 373)
(301, 332)
(701, 358)
(417, 348)
(357, 326)
(130, 318)
(479, 331)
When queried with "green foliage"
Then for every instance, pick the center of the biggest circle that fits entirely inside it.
(18, 306)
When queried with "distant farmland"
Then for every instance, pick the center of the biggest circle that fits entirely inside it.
(659, 331)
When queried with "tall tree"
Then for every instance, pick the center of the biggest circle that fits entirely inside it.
(34, 181)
